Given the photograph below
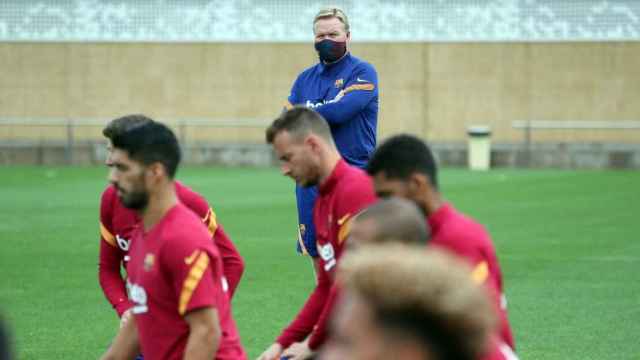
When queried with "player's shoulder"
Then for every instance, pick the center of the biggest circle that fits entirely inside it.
(355, 176)
(309, 72)
(182, 230)
(108, 198)
(362, 64)
(466, 232)
(356, 181)
(181, 224)
(108, 193)
(191, 199)
(182, 216)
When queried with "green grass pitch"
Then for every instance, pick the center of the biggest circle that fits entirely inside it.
(568, 242)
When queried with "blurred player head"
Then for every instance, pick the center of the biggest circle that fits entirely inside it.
(408, 303)
(118, 126)
(404, 166)
(302, 141)
(389, 220)
(331, 34)
(144, 159)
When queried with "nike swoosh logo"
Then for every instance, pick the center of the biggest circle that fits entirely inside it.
(189, 259)
(343, 219)
(361, 80)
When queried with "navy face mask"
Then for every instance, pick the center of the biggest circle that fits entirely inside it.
(330, 51)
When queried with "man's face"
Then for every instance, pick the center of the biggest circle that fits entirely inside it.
(128, 177)
(362, 232)
(297, 159)
(355, 335)
(386, 187)
(330, 28)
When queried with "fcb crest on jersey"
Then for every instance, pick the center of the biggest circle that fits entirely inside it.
(149, 259)
(339, 83)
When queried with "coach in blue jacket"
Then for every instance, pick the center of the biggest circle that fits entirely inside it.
(344, 90)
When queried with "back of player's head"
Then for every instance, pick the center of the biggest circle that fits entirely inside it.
(401, 156)
(299, 122)
(395, 220)
(122, 124)
(426, 296)
(332, 12)
(149, 143)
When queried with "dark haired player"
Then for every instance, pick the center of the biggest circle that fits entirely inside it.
(404, 166)
(117, 223)
(180, 303)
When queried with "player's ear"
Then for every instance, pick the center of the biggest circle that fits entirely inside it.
(156, 170)
(313, 142)
(418, 183)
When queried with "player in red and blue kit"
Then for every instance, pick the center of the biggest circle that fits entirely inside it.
(181, 309)
(344, 90)
(405, 167)
(303, 142)
(179, 244)
(118, 222)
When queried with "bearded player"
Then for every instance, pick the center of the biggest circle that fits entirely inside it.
(181, 308)
(404, 166)
(117, 223)
(302, 141)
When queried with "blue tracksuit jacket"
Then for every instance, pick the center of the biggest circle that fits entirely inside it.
(353, 118)
(345, 93)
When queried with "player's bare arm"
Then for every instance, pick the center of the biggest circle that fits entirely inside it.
(204, 334)
(125, 346)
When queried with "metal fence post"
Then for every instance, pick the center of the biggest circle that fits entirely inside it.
(527, 143)
(70, 142)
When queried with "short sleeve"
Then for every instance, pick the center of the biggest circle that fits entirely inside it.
(194, 275)
(357, 196)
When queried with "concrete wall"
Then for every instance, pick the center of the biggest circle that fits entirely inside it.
(432, 89)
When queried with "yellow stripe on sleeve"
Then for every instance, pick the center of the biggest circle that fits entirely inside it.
(288, 105)
(108, 236)
(480, 273)
(192, 281)
(345, 228)
(368, 87)
(211, 220)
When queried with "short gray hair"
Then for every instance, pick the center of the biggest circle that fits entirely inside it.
(332, 12)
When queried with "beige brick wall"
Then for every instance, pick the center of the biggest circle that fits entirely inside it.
(433, 89)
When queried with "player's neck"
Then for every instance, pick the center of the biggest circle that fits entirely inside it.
(160, 203)
(329, 163)
(432, 202)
